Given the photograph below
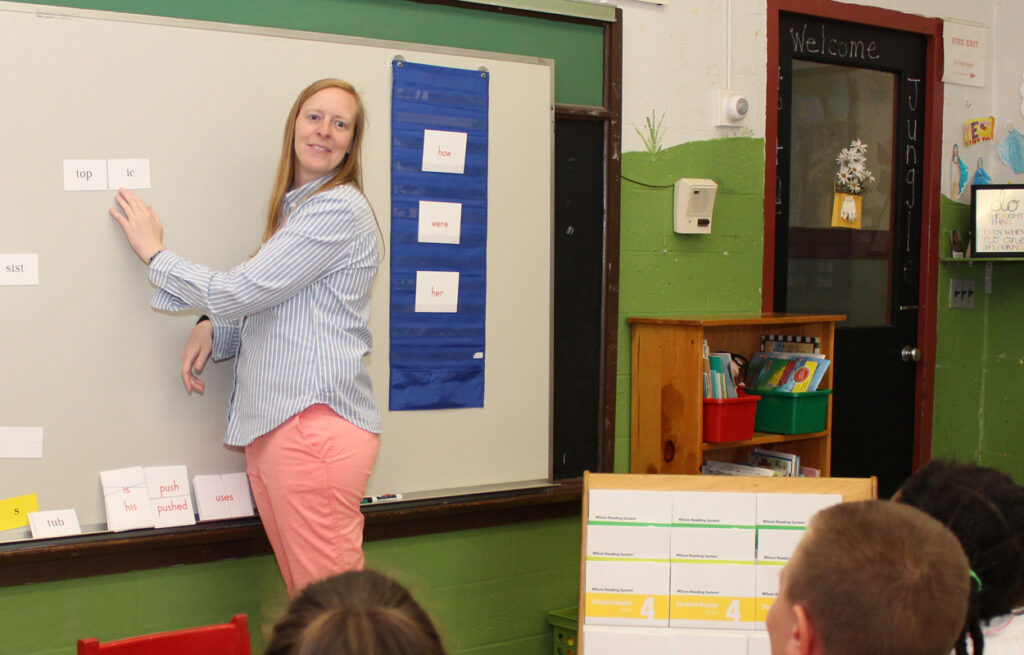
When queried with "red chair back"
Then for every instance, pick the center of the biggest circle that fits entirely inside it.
(222, 639)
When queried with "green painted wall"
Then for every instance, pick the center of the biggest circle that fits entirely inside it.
(979, 360)
(489, 591)
(576, 48)
(664, 273)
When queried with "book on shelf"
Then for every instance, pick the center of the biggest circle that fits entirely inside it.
(713, 467)
(717, 377)
(781, 463)
(790, 343)
(786, 371)
(809, 472)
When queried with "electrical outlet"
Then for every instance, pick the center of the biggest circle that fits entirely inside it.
(961, 294)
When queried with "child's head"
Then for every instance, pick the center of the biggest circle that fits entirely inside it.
(984, 508)
(871, 577)
(355, 613)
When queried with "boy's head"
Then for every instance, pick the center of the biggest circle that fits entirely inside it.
(871, 577)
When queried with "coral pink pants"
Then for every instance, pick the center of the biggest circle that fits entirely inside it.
(308, 477)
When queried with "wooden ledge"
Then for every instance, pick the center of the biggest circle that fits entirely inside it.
(107, 553)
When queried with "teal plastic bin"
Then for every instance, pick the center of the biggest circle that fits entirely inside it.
(787, 412)
(565, 629)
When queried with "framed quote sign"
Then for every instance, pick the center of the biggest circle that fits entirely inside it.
(998, 213)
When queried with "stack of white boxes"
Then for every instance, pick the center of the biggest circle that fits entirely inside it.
(673, 572)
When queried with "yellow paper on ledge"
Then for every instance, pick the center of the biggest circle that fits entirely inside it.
(14, 511)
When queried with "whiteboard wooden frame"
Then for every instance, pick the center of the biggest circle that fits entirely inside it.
(98, 367)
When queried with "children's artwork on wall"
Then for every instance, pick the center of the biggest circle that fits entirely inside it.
(977, 130)
(850, 183)
(1011, 149)
(981, 176)
(958, 174)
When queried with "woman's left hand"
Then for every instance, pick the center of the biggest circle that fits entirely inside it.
(140, 223)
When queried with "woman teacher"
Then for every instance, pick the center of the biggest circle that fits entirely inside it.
(296, 319)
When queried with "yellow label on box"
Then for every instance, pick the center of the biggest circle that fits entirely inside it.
(713, 608)
(627, 606)
(14, 511)
(762, 607)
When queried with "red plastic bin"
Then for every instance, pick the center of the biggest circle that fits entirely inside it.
(730, 419)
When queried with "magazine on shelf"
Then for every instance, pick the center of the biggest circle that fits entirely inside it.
(712, 467)
(783, 464)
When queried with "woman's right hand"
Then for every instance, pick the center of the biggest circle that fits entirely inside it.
(197, 350)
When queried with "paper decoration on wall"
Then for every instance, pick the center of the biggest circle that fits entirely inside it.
(438, 300)
(980, 175)
(958, 174)
(977, 130)
(850, 183)
(1011, 150)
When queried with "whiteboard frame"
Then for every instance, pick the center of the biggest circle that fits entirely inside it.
(140, 291)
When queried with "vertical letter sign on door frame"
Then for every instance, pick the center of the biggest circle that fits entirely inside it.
(439, 143)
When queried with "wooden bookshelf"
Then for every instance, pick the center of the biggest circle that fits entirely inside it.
(667, 392)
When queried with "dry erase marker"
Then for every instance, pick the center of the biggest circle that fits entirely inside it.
(383, 498)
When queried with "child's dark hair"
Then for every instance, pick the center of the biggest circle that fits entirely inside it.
(984, 508)
(355, 613)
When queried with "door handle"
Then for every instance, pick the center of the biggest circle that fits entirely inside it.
(910, 354)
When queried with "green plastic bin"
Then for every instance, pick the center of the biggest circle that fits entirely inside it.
(565, 628)
(788, 412)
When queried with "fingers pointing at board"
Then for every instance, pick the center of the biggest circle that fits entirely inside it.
(140, 223)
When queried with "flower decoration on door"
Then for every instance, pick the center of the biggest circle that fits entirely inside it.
(850, 183)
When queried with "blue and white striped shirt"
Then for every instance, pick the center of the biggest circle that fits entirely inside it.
(295, 316)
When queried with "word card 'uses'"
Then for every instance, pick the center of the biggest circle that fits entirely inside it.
(223, 496)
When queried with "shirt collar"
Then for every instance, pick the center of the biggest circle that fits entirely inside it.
(295, 197)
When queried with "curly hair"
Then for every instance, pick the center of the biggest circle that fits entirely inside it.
(984, 508)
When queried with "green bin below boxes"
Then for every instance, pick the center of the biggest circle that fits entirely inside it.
(565, 626)
(787, 412)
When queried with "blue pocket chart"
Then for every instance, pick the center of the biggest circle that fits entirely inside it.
(439, 143)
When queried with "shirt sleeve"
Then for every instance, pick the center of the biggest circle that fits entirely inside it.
(225, 337)
(314, 241)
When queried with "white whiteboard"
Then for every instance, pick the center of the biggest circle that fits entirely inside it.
(83, 355)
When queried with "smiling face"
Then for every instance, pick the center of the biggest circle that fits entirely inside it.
(324, 130)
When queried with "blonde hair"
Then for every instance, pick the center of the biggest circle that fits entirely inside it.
(350, 170)
(882, 578)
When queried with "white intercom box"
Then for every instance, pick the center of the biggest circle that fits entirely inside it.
(694, 203)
